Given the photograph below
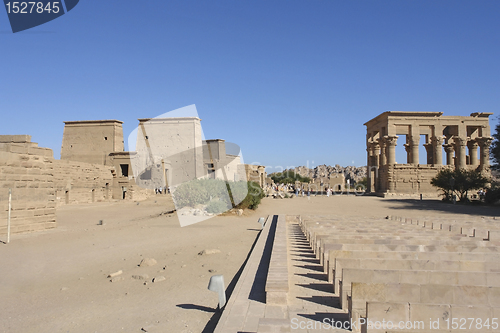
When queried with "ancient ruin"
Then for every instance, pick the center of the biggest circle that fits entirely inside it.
(456, 138)
(94, 167)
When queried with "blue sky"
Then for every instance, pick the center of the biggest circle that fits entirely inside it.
(291, 82)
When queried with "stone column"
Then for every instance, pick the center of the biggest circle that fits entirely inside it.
(449, 149)
(391, 149)
(460, 144)
(376, 154)
(438, 150)
(484, 144)
(376, 160)
(383, 159)
(415, 140)
(429, 148)
(368, 167)
(408, 152)
(473, 152)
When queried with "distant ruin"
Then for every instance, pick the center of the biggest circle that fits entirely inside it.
(458, 136)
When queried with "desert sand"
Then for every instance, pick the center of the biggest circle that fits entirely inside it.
(57, 280)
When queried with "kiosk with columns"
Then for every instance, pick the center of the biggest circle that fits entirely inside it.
(449, 141)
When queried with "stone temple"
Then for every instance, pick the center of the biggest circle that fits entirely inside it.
(458, 139)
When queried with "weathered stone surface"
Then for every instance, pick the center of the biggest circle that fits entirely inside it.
(112, 275)
(147, 262)
(159, 279)
(209, 251)
(117, 278)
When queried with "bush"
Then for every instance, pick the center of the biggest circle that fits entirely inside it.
(492, 196)
(217, 207)
(362, 184)
(253, 197)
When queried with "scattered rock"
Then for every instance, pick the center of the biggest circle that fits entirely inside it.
(212, 270)
(159, 279)
(209, 251)
(64, 288)
(140, 277)
(116, 279)
(239, 212)
(112, 275)
(101, 222)
(147, 262)
(183, 266)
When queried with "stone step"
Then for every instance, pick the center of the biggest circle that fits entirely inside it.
(469, 295)
(413, 277)
(415, 265)
(432, 317)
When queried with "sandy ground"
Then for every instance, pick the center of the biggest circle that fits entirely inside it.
(56, 281)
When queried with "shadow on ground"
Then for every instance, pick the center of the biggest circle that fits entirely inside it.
(439, 206)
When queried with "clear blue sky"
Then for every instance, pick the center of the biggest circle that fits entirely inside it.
(289, 81)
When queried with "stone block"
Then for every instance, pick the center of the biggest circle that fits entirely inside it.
(385, 312)
(15, 138)
(425, 312)
(436, 294)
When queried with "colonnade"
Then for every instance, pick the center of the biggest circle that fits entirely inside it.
(382, 151)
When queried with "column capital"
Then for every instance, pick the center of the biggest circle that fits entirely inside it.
(428, 145)
(472, 144)
(484, 141)
(391, 140)
(414, 142)
(437, 140)
(449, 148)
(460, 141)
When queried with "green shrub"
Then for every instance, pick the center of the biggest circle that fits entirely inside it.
(253, 196)
(217, 207)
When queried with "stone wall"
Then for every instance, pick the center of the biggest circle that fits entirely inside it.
(409, 179)
(79, 182)
(28, 171)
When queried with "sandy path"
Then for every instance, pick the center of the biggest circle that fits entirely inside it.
(56, 281)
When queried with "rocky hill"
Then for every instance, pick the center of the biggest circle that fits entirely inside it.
(354, 174)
